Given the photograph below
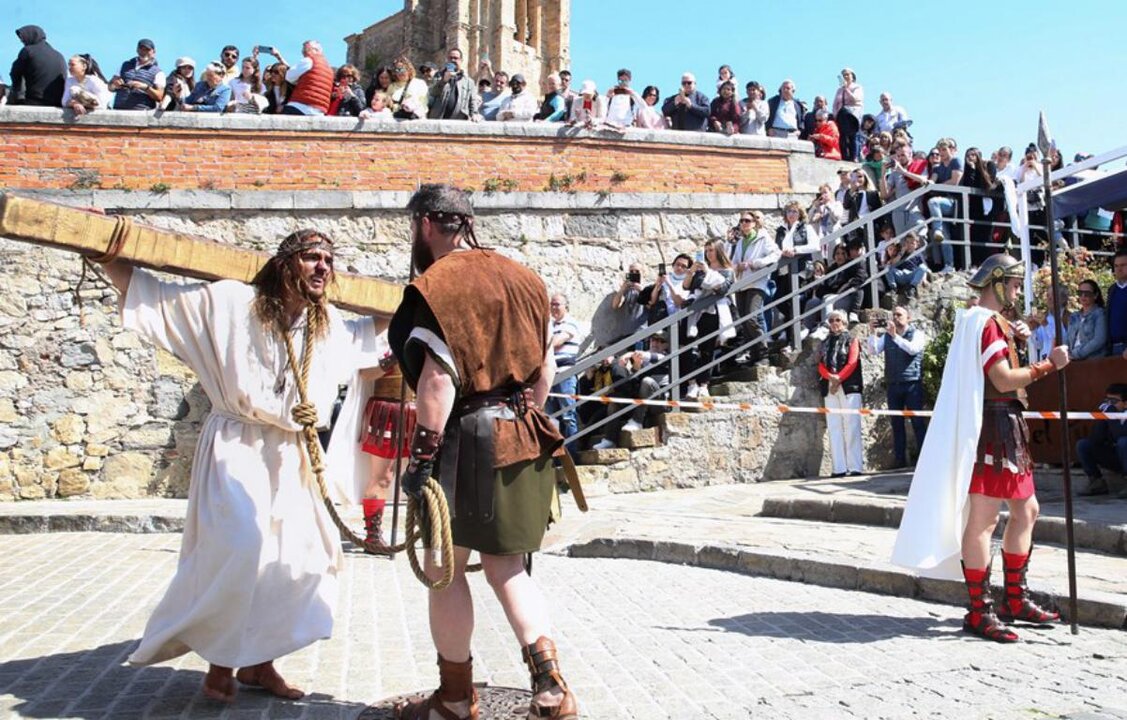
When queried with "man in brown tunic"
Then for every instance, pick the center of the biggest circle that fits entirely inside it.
(471, 336)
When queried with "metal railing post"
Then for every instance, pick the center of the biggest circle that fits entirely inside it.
(964, 200)
(795, 311)
(1075, 233)
(874, 295)
(675, 361)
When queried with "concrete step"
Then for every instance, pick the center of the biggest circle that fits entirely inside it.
(886, 512)
(1098, 606)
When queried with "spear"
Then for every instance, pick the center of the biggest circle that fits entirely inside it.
(1046, 145)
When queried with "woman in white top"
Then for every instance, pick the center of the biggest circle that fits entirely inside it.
(246, 89)
(408, 93)
(85, 91)
(649, 114)
(715, 278)
(797, 247)
(825, 215)
(849, 106)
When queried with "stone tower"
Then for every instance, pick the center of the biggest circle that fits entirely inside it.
(525, 36)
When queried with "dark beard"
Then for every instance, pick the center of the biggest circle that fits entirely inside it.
(422, 256)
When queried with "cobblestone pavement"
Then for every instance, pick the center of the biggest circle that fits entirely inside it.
(637, 640)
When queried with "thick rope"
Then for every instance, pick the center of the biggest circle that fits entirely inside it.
(305, 413)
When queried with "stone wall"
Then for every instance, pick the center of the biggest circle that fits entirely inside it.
(88, 408)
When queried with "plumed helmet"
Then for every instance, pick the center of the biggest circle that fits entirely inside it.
(997, 269)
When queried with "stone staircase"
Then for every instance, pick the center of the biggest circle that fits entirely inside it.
(695, 448)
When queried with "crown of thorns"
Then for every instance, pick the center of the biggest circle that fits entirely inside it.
(303, 240)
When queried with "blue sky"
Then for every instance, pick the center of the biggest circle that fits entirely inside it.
(972, 70)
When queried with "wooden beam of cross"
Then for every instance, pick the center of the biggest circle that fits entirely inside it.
(88, 233)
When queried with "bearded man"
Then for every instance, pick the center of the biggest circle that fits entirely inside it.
(257, 576)
(975, 456)
(472, 339)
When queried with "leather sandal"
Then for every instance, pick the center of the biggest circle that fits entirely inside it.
(544, 667)
(455, 685)
(1015, 568)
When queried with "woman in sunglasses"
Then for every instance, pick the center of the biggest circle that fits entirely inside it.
(408, 93)
(1087, 327)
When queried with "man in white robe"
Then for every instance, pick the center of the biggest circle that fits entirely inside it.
(257, 577)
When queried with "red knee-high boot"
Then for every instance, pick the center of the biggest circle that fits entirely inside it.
(373, 523)
(981, 619)
(1018, 605)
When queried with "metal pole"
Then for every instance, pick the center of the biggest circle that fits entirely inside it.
(675, 361)
(1066, 442)
(965, 202)
(874, 296)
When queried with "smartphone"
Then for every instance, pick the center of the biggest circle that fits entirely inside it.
(661, 268)
(634, 277)
(698, 256)
(263, 49)
(451, 67)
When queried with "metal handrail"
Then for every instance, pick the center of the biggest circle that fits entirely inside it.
(797, 316)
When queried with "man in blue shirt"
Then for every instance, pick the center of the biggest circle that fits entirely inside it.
(1106, 445)
(140, 83)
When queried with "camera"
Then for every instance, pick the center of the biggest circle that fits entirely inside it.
(634, 277)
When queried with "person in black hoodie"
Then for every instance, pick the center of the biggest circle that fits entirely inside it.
(39, 72)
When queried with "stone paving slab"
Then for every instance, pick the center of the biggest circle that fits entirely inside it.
(638, 639)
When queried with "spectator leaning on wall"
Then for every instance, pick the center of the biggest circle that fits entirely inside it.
(39, 71)
(140, 83)
(689, 108)
(902, 345)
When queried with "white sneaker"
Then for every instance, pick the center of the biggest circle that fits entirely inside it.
(947, 270)
(604, 444)
(821, 333)
(743, 358)
(632, 426)
(693, 392)
(692, 332)
(803, 335)
(702, 391)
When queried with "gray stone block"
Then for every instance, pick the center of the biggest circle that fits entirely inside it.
(200, 199)
(635, 439)
(675, 552)
(777, 507)
(262, 200)
(603, 457)
(886, 582)
(718, 558)
(858, 513)
(812, 509)
(322, 200)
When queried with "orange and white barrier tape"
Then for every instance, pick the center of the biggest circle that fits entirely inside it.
(749, 407)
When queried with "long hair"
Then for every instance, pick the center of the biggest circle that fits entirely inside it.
(279, 280)
(720, 253)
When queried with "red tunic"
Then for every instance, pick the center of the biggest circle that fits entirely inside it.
(985, 480)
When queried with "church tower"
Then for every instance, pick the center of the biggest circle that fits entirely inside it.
(525, 36)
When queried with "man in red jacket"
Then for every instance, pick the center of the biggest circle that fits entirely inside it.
(312, 79)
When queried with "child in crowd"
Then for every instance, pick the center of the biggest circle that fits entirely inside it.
(378, 109)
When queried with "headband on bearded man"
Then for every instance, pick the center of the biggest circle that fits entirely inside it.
(302, 241)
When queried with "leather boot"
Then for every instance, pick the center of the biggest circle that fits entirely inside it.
(455, 684)
(544, 667)
(373, 531)
(1017, 604)
(981, 620)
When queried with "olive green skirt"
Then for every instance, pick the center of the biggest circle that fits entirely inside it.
(522, 500)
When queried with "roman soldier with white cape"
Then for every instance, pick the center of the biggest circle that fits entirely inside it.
(257, 576)
(975, 456)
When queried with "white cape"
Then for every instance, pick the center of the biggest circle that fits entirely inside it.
(931, 531)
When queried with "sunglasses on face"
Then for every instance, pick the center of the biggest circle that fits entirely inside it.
(686, 82)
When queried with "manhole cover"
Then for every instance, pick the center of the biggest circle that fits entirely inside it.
(494, 703)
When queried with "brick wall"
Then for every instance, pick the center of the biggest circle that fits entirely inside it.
(139, 151)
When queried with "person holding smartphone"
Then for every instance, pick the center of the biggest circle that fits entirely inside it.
(453, 96)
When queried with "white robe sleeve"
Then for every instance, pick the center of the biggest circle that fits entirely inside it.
(176, 317)
(348, 466)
